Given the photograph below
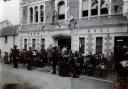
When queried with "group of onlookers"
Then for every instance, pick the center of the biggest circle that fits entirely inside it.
(65, 62)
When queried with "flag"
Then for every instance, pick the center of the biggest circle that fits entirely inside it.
(72, 23)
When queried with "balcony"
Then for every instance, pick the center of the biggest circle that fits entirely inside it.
(25, 2)
(95, 21)
(105, 20)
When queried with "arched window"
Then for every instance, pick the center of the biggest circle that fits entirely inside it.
(94, 7)
(85, 6)
(41, 13)
(36, 14)
(61, 10)
(31, 15)
(104, 6)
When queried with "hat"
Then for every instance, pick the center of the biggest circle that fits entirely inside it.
(15, 46)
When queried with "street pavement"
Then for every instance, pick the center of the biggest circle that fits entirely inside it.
(39, 79)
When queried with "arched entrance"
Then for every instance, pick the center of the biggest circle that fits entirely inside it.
(63, 40)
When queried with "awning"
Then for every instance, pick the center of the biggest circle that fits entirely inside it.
(62, 36)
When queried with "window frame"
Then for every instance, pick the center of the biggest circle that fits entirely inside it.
(61, 16)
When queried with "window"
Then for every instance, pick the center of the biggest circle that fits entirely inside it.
(31, 15)
(117, 6)
(41, 13)
(94, 7)
(6, 39)
(25, 44)
(81, 45)
(99, 45)
(85, 8)
(36, 14)
(104, 6)
(33, 43)
(61, 10)
(42, 43)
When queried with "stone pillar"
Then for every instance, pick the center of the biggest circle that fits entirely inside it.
(89, 9)
(49, 41)
(110, 7)
(108, 44)
(75, 42)
(80, 9)
(99, 8)
(28, 16)
(44, 12)
(33, 14)
(65, 9)
(90, 43)
(39, 20)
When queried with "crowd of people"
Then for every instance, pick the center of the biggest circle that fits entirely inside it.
(64, 62)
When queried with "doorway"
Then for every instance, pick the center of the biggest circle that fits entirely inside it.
(120, 47)
(65, 42)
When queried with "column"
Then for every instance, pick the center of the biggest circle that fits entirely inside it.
(44, 12)
(110, 7)
(75, 42)
(99, 10)
(65, 9)
(33, 14)
(89, 9)
(39, 20)
(80, 9)
(28, 16)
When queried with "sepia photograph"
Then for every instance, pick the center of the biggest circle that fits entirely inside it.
(63, 44)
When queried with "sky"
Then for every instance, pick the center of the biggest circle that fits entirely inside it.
(10, 10)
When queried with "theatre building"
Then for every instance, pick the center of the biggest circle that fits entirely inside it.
(95, 26)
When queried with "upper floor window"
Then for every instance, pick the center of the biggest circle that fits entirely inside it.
(85, 8)
(36, 14)
(117, 6)
(34, 43)
(94, 7)
(61, 10)
(104, 6)
(41, 13)
(25, 43)
(31, 15)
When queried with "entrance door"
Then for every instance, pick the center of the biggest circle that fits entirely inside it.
(64, 42)
(99, 42)
(120, 47)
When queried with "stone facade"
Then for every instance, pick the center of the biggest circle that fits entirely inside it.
(98, 31)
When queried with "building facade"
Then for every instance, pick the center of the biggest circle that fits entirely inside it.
(95, 26)
(8, 36)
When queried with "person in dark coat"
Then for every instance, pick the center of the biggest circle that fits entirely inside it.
(43, 55)
(29, 58)
(49, 55)
(54, 60)
(15, 56)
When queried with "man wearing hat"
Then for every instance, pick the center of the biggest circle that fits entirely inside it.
(15, 56)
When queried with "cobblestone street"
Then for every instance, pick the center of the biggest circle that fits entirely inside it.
(45, 80)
